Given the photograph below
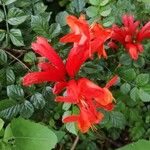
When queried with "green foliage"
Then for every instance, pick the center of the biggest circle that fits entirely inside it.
(139, 145)
(20, 22)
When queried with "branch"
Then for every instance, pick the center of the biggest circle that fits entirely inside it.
(19, 61)
(75, 143)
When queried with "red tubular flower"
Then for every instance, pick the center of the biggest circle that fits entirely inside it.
(88, 97)
(87, 40)
(54, 70)
(130, 36)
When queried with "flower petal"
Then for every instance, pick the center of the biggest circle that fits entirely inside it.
(43, 48)
(59, 86)
(39, 77)
(112, 82)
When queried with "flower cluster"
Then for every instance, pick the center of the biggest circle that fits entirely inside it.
(83, 93)
(130, 36)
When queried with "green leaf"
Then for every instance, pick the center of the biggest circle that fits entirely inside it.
(54, 30)
(26, 109)
(6, 103)
(66, 106)
(125, 88)
(104, 2)
(92, 11)
(39, 8)
(139, 63)
(15, 92)
(142, 79)
(144, 95)
(78, 5)
(61, 18)
(125, 59)
(127, 74)
(16, 16)
(1, 15)
(10, 112)
(8, 136)
(117, 120)
(106, 12)
(2, 34)
(7, 2)
(10, 76)
(16, 37)
(38, 100)
(134, 94)
(139, 145)
(30, 57)
(1, 124)
(39, 136)
(40, 25)
(94, 2)
(71, 127)
(3, 57)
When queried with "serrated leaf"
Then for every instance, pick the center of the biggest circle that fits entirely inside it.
(144, 96)
(16, 37)
(61, 18)
(1, 124)
(26, 109)
(39, 8)
(139, 63)
(125, 88)
(38, 100)
(106, 12)
(3, 57)
(94, 2)
(142, 79)
(66, 106)
(30, 57)
(10, 76)
(134, 94)
(6, 103)
(78, 5)
(127, 74)
(10, 112)
(40, 25)
(104, 2)
(15, 92)
(117, 120)
(54, 30)
(39, 136)
(92, 11)
(125, 59)
(137, 132)
(1, 15)
(7, 2)
(16, 16)
(2, 34)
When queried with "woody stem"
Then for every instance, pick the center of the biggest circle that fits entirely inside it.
(75, 143)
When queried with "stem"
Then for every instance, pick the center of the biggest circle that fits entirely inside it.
(7, 26)
(18, 61)
(75, 143)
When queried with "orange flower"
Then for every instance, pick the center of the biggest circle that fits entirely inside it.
(88, 97)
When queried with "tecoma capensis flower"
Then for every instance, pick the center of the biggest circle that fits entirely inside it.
(55, 70)
(91, 38)
(88, 97)
(130, 36)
